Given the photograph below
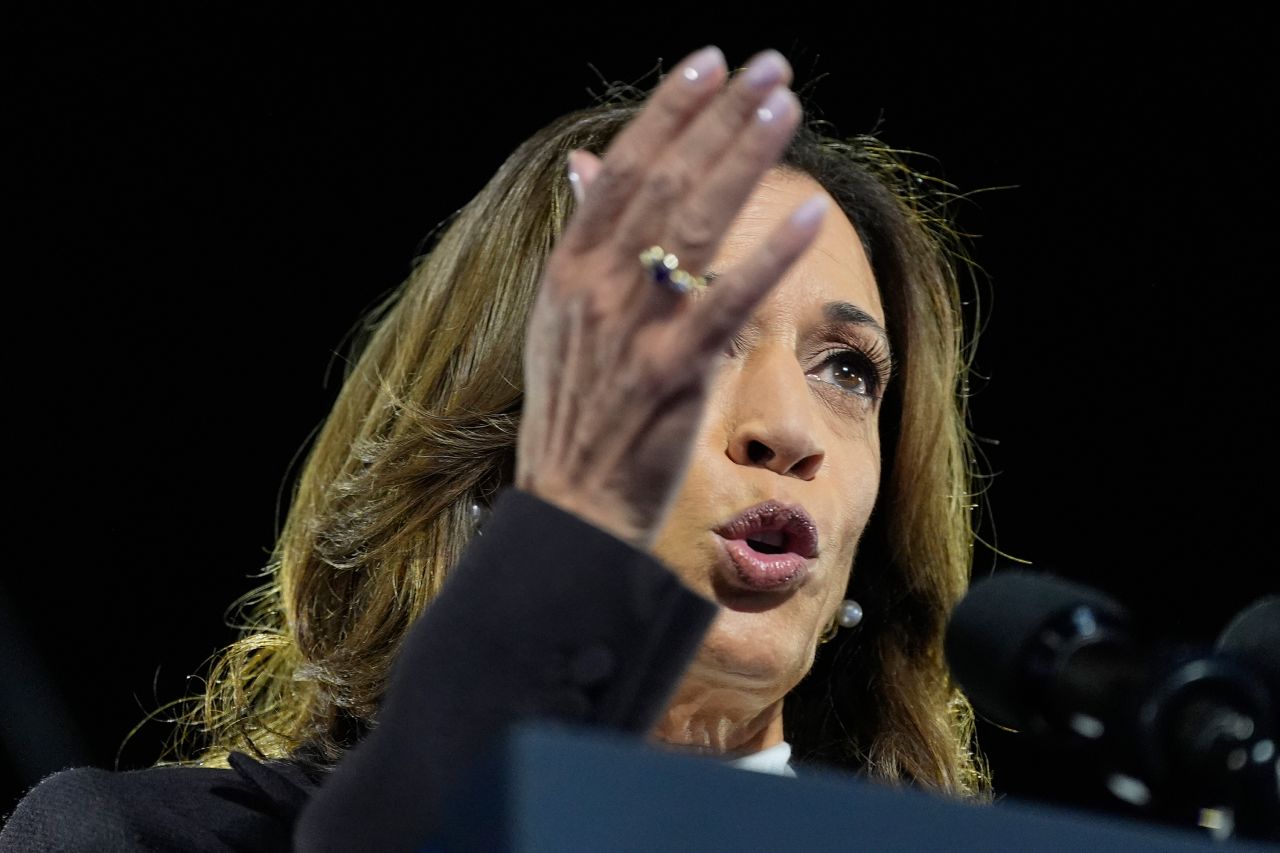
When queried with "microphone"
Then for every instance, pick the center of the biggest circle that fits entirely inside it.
(1253, 635)
(1175, 728)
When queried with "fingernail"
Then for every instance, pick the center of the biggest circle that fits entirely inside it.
(575, 180)
(766, 70)
(702, 63)
(811, 212)
(777, 106)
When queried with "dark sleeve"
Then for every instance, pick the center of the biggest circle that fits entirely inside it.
(545, 616)
(252, 806)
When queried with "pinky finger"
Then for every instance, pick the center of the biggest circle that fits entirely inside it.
(583, 169)
(722, 312)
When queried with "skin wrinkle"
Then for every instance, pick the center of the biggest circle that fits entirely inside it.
(762, 644)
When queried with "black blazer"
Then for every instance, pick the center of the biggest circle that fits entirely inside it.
(545, 616)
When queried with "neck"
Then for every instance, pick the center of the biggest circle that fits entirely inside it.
(720, 721)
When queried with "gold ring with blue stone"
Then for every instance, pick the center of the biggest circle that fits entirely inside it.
(664, 268)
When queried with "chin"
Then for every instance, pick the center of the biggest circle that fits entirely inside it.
(756, 648)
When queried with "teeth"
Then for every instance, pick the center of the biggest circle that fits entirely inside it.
(770, 537)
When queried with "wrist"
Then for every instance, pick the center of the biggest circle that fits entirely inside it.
(599, 513)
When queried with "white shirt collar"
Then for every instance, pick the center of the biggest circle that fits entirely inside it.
(776, 760)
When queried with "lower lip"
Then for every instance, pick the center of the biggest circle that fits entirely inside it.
(763, 572)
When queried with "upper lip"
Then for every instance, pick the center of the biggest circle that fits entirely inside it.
(797, 525)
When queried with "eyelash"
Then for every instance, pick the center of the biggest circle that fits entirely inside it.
(871, 366)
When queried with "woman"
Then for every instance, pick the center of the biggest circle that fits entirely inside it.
(731, 426)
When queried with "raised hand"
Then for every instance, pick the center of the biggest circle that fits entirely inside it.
(617, 363)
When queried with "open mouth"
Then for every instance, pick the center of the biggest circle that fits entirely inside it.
(769, 547)
(769, 542)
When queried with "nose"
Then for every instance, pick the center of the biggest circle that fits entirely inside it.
(771, 419)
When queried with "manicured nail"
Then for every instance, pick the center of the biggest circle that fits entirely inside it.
(810, 213)
(765, 71)
(777, 106)
(575, 180)
(702, 64)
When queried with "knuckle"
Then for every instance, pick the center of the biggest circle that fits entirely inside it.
(695, 230)
(621, 169)
(666, 187)
(670, 106)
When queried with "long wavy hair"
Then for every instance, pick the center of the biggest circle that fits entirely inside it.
(425, 427)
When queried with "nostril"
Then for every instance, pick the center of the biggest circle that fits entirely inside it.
(758, 453)
(807, 468)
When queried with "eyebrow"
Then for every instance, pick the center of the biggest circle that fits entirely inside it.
(847, 312)
(839, 312)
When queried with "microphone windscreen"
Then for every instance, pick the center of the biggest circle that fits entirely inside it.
(992, 627)
(1253, 636)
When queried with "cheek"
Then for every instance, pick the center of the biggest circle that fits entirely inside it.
(861, 486)
(680, 541)
(853, 445)
(856, 478)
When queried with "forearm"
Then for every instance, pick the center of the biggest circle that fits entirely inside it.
(545, 616)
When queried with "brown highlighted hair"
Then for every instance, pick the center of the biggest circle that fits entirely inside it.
(425, 426)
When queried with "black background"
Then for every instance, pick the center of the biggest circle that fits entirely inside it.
(207, 199)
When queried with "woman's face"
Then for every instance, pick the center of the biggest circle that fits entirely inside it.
(791, 429)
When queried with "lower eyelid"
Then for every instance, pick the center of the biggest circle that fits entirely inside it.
(861, 397)
(845, 406)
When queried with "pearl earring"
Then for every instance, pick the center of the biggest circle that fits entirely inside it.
(849, 614)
